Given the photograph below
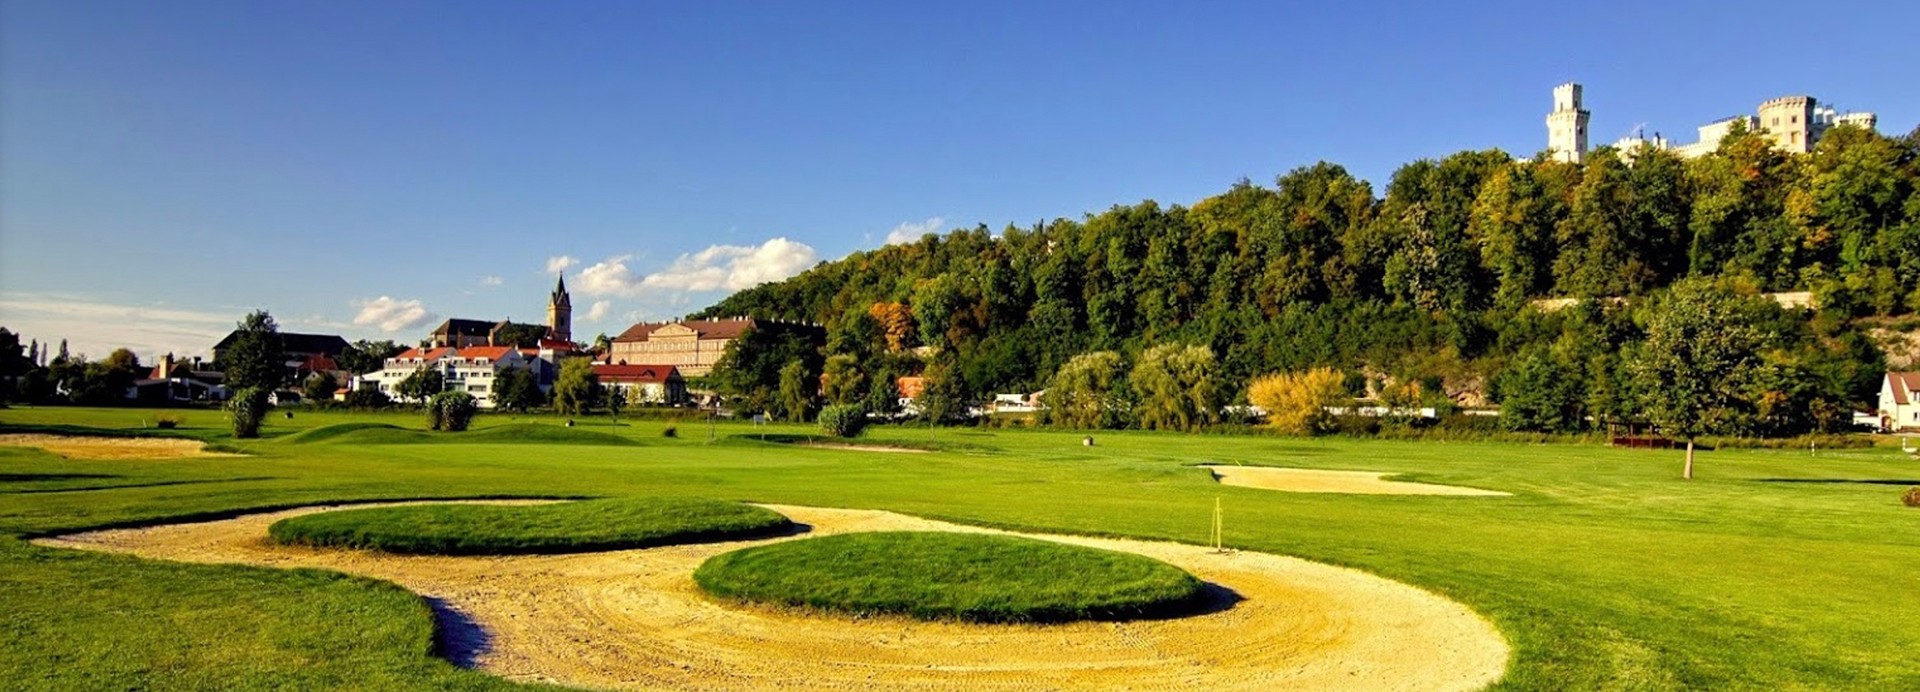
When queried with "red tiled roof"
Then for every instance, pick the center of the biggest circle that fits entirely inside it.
(555, 344)
(430, 354)
(486, 352)
(1904, 385)
(634, 373)
(708, 329)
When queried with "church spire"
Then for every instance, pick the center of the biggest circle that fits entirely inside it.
(560, 312)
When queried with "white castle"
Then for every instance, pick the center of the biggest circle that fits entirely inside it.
(1794, 122)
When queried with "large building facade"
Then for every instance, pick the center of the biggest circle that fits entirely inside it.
(1794, 123)
(462, 333)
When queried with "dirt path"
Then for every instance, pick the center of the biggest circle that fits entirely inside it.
(1320, 481)
(113, 447)
(634, 619)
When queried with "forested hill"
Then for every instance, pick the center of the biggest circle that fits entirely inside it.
(1432, 282)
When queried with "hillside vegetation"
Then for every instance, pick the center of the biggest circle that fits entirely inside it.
(1473, 277)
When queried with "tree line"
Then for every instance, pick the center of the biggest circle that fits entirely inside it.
(1476, 279)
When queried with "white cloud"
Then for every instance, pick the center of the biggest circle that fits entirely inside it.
(491, 281)
(560, 263)
(717, 268)
(909, 232)
(95, 328)
(390, 314)
(599, 310)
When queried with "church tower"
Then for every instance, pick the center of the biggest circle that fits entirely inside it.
(1567, 125)
(560, 312)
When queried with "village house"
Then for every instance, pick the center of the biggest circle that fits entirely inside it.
(644, 384)
(1900, 401)
(472, 369)
(692, 346)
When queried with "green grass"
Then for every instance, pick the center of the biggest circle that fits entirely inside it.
(567, 527)
(1604, 570)
(952, 576)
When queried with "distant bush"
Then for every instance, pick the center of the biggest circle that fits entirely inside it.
(168, 421)
(367, 399)
(672, 430)
(844, 420)
(1912, 497)
(451, 411)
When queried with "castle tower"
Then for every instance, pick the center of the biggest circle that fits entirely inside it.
(560, 312)
(1567, 125)
(1788, 121)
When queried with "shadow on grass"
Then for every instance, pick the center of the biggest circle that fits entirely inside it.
(1212, 598)
(456, 637)
(119, 486)
(1860, 481)
(46, 477)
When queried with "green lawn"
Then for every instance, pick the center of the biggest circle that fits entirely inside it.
(953, 576)
(1772, 569)
(566, 527)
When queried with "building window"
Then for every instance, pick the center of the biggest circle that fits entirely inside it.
(1793, 119)
(1776, 122)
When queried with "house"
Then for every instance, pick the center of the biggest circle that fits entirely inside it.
(472, 369)
(296, 346)
(1900, 402)
(644, 384)
(694, 346)
(174, 381)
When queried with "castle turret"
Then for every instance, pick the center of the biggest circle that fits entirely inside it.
(1567, 125)
(560, 312)
(1789, 122)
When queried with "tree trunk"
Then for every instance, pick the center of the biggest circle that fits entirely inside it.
(1688, 473)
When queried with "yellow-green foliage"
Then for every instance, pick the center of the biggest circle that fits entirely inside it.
(1296, 401)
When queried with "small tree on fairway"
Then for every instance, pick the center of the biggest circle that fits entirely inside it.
(616, 400)
(843, 420)
(1086, 391)
(573, 393)
(1697, 356)
(796, 392)
(451, 411)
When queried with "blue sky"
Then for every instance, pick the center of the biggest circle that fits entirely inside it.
(367, 168)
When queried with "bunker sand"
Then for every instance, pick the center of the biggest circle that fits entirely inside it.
(635, 619)
(1321, 481)
(113, 447)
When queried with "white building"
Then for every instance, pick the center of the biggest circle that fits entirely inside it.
(1900, 401)
(472, 369)
(1795, 123)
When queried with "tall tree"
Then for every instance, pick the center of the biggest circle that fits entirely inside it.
(1088, 392)
(1697, 359)
(257, 357)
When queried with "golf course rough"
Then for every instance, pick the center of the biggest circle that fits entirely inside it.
(942, 575)
(565, 527)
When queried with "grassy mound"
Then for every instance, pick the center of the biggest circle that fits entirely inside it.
(537, 433)
(456, 529)
(357, 433)
(939, 576)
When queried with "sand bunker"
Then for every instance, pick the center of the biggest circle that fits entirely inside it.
(1320, 481)
(634, 619)
(113, 447)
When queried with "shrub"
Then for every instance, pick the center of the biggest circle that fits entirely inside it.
(843, 420)
(367, 399)
(168, 421)
(672, 430)
(451, 411)
(1296, 401)
(248, 406)
(1912, 497)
